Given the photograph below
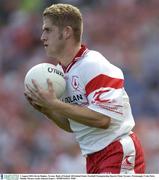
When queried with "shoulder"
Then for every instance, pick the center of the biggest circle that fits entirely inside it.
(92, 56)
(95, 62)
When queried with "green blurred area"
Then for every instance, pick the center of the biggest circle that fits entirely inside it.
(31, 5)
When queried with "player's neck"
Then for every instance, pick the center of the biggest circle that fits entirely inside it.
(69, 53)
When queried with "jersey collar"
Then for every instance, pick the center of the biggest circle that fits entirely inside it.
(79, 54)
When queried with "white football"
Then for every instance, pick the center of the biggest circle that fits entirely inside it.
(42, 72)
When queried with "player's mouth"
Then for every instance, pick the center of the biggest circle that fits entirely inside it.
(45, 45)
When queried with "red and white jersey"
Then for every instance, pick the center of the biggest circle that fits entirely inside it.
(92, 81)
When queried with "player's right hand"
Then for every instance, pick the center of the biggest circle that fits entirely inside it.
(35, 105)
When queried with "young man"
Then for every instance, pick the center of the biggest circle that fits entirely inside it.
(95, 105)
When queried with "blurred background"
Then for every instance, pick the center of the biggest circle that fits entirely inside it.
(126, 32)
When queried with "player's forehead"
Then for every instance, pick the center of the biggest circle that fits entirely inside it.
(46, 23)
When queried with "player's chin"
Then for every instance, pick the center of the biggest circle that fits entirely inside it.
(48, 53)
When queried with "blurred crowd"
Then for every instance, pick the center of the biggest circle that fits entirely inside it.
(126, 32)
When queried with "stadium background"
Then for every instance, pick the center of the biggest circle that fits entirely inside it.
(125, 31)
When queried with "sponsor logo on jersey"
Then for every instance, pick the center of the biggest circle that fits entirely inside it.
(73, 98)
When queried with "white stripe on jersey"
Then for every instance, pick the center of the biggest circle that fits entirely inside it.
(129, 154)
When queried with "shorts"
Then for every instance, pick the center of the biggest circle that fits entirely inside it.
(124, 156)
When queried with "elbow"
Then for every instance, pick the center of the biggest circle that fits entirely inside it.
(104, 123)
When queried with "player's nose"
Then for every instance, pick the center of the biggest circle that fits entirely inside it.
(43, 37)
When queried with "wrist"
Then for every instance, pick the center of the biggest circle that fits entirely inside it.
(56, 105)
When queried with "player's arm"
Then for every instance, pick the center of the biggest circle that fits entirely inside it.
(48, 100)
(59, 120)
(81, 115)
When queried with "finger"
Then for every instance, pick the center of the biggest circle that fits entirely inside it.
(25, 94)
(36, 85)
(36, 105)
(30, 89)
(33, 97)
(31, 94)
(28, 96)
(50, 85)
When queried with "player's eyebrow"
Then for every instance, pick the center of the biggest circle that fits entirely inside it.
(44, 28)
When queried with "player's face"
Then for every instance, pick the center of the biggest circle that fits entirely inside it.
(52, 39)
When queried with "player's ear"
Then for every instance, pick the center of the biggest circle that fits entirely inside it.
(67, 32)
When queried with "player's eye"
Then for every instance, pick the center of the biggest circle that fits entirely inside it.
(47, 30)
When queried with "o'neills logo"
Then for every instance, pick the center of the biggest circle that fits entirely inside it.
(52, 70)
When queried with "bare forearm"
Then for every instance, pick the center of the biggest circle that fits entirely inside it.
(60, 121)
(83, 115)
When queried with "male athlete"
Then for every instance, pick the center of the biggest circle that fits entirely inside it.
(95, 106)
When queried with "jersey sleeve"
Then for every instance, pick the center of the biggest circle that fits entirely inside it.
(104, 87)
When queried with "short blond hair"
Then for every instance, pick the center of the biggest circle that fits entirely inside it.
(63, 15)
